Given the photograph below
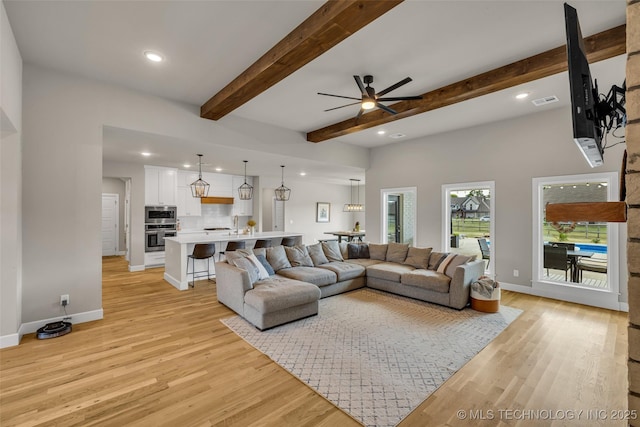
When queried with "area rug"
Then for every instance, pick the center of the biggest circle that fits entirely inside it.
(375, 355)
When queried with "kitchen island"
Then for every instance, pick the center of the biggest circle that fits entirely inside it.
(177, 250)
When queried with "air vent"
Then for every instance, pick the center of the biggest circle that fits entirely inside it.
(546, 100)
(397, 135)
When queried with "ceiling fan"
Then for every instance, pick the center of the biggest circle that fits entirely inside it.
(370, 98)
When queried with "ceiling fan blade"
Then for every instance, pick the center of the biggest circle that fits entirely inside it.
(342, 106)
(401, 98)
(395, 86)
(359, 114)
(385, 108)
(339, 96)
(361, 85)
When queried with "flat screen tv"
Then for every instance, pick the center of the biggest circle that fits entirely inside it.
(587, 132)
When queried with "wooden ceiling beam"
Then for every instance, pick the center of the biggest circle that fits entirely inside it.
(604, 45)
(333, 22)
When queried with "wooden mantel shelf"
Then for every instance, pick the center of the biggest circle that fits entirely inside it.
(591, 212)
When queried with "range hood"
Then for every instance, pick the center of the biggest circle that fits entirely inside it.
(216, 200)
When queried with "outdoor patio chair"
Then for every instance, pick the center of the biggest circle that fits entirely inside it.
(596, 264)
(556, 258)
(484, 248)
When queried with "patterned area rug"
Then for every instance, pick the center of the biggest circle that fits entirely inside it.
(375, 355)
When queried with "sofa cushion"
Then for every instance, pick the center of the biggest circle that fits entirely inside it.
(397, 252)
(279, 293)
(332, 250)
(357, 250)
(316, 275)
(427, 279)
(418, 257)
(365, 262)
(298, 256)
(377, 251)
(240, 253)
(277, 257)
(317, 254)
(345, 270)
(388, 271)
(248, 266)
(435, 258)
(260, 251)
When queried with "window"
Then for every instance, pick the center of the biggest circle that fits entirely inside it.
(575, 260)
(468, 227)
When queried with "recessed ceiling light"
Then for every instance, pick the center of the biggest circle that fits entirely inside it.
(144, 153)
(186, 165)
(218, 169)
(522, 95)
(153, 56)
(382, 132)
(397, 135)
(303, 174)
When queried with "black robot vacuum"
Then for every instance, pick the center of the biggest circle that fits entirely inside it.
(54, 329)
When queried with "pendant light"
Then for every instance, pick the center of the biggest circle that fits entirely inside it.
(245, 191)
(199, 188)
(354, 207)
(282, 192)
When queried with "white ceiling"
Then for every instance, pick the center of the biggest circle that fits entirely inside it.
(208, 43)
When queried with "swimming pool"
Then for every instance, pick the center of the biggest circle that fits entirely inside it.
(591, 247)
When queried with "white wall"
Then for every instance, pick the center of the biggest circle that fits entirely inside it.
(10, 184)
(64, 117)
(511, 153)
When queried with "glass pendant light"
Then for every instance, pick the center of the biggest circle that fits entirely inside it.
(245, 191)
(354, 207)
(199, 187)
(282, 193)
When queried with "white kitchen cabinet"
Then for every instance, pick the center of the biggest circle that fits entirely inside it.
(219, 184)
(160, 185)
(186, 203)
(241, 207)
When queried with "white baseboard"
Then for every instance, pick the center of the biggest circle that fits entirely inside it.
(122, 253)
(9, 340)
(133, 268)
(594, 298)
(87, 316)
(181, 286)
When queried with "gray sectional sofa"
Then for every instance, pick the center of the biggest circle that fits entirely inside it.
(272, 286)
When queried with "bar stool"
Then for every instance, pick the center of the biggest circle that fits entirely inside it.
(262, 243)
(200, 251)
(289, 241)
(232, 246)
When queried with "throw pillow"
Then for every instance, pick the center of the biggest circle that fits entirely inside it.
(265, 264)
(240, 253)
(277, 257)
(262, 272)
(248, 266)
(377, 251)
(442, 267)
(397, 252)
(344, 251)
(260, 251)
(317, 254)
(298, 256)
(332, 250)
(435, 259)
(458, 260)
(358, 250)
(418, 257)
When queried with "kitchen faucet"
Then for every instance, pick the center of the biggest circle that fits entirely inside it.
(236, 221)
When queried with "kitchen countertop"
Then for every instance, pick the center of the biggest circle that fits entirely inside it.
(225, 236)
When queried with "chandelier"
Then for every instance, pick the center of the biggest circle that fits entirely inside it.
(199, 188)
(282, 193)
(245, 191)
(354, 207)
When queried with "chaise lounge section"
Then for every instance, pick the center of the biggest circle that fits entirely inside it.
(272, 286)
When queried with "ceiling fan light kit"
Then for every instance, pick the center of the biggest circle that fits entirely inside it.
(370, 99)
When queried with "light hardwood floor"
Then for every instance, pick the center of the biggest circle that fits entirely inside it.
(161, 357)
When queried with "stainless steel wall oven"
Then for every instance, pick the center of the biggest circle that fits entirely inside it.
(160, 222)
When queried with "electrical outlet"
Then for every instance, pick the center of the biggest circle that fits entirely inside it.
(64, 300)
(516, 273)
